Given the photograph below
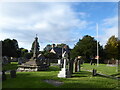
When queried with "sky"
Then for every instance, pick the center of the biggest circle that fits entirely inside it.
(57, 22)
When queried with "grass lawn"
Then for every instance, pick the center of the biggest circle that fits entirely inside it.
(102, 68)
(81, 79)
(10, 66)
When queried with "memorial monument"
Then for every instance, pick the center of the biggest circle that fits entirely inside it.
(35, 63)
(65, 72)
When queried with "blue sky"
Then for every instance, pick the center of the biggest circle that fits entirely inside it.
(64, 22)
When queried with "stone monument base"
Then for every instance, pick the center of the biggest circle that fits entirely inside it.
(64, 73)
(32, 66)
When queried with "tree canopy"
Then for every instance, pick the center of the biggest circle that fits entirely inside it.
(111, 48)
(10, 48)
(86, 47)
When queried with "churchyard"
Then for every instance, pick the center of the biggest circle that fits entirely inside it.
(82, 79)
(40, 70)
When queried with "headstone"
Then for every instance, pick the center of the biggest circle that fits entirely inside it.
(5, 60)
(94, 72)
(59, 61)
(64, 73)
(3, 76)
(71, 66)
(76, 66)
(13, 73)
(19, 61)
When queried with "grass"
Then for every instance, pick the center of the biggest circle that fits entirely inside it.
(102, 68)
(81, 79)
(10, 66)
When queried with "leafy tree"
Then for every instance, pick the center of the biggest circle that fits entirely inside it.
(28, 55)
(24, 53)
(86, 47)
(10, 48)
(50, 55)
(111, 48)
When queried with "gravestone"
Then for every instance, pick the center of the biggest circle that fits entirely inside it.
(64, 73)
(59, 61)
(71, 66)
(5, 60)
(20, 61)
(94, 72)
(3, 76)
(77, 63)
(13, 73)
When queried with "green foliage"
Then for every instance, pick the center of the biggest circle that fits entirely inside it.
(24, 53)
(50, 55)
(28, 55)
(111, 48)
(86, 47)
(10, 66)
(10, 48)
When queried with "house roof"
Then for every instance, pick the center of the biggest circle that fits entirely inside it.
(59, 50)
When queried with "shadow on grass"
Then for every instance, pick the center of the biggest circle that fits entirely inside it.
(27, 80)
(9, 67)
(35, 80)
(115, 74)
(98, 75)
(81, 74)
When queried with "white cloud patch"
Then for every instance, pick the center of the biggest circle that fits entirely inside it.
(109, 27)
(52, 22)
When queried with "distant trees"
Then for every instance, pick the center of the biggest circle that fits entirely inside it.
(86, 47)
(10, 48)
(112, 48)
(24, 53)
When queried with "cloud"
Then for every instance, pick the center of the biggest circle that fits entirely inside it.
(53, 22)
(109, 27)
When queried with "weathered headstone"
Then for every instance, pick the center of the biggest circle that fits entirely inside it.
(59, 61)
(94, 72)
(71, 66)
(76, 66)
(3, 76)
(13, 74)
(19, 61)
(65, 73)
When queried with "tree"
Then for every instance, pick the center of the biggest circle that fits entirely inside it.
(111, 48)
(10, 48)
(86, 47)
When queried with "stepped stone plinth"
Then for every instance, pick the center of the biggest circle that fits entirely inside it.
(35, 63)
